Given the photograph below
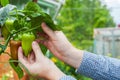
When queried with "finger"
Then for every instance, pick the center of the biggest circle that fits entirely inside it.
(48, 31)
(37, 50)
(22, 58)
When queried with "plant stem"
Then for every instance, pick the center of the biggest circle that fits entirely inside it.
(32, 29)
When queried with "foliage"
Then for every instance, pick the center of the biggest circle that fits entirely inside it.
(4, 13)
(28, 19)
(4, 2)
(16, 23)
(78, 19)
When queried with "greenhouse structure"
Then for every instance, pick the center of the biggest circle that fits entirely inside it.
(107, 41)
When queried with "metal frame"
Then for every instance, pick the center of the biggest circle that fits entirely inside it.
(52, 7)
(107, 40)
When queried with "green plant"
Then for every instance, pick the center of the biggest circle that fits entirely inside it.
(4, 2)
(22, 26)
(79, 18)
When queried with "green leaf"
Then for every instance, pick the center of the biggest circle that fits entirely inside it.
(38, 16)
(4, 13)
(17, 68)
(32, 6)
(48, 20)
(4, 2)
(43, 48)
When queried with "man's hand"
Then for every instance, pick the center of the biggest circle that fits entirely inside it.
(39, 65)
(58, 44)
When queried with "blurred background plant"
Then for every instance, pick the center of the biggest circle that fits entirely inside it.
(78, 18)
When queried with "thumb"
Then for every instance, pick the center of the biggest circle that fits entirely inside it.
(36, 49)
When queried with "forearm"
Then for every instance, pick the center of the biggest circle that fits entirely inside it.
(56, 74)
(99, 67)
(74, 57)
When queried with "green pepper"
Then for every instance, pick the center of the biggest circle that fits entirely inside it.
(7, 28)
(27, 39)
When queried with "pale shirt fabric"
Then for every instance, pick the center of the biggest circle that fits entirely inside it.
(98, 67)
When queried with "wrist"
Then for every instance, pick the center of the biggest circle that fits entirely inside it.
(55, 74)
(52, 73)
(74, 57)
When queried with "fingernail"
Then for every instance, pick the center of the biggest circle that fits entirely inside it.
(20, 48)
(33, 43)
(43, 24)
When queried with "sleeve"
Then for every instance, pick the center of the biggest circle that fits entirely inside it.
(99, 67)
(67, 78)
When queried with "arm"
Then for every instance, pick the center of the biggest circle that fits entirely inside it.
(99, 67)
(58, 44)
(91, 65)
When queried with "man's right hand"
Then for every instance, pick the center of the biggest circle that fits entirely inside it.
(59, 45)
